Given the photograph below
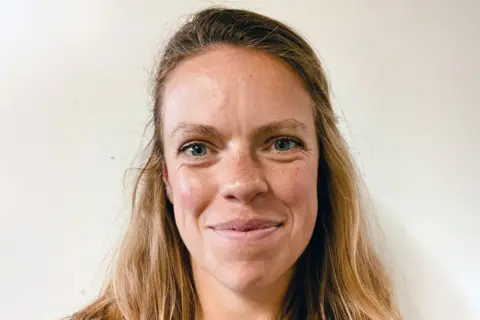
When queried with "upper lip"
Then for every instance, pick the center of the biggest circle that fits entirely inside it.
(246, 225)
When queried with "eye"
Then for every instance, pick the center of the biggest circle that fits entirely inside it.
(285, 144)
(195, 149)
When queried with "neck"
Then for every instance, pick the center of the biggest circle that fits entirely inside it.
(219, 302)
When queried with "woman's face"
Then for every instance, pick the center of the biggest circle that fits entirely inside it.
(241, 162)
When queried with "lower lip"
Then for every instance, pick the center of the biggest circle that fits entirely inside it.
(252, 235)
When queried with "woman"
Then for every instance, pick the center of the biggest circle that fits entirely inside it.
(248, 206)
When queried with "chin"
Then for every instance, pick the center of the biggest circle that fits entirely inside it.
(249, 277)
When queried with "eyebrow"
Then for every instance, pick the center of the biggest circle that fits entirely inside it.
(276, 126)
(194, 129)
(210, 131)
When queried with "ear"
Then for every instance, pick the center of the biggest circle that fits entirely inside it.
(168, 188)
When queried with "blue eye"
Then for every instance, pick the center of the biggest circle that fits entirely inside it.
(285, 144)
(196, 149)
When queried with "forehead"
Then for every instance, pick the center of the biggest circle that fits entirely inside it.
(226, 85)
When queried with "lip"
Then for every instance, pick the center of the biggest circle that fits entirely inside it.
(247, 230)
(246, 225)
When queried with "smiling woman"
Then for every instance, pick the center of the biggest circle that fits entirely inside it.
(242, 178)
(248, 205)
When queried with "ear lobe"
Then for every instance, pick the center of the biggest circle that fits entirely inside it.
(168, 189)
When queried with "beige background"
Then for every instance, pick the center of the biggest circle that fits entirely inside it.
(74, 102)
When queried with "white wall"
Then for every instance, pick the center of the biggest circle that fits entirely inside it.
(74, 102)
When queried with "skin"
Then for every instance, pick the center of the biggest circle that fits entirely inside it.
(240, 142)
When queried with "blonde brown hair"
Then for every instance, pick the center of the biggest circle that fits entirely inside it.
(338, 276)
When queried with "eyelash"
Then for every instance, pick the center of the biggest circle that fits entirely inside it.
(298, 144)
(184, 147)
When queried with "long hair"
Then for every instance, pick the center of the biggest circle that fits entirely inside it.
(338, 276)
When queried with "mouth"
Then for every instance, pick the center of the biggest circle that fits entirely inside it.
(254, 229)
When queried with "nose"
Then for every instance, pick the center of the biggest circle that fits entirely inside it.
(242, 179)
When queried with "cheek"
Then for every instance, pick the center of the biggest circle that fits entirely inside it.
(297, 188)
(191, 194)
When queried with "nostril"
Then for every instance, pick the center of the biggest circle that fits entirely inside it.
(230, 197)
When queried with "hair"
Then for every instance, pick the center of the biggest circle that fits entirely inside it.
(338, 276)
